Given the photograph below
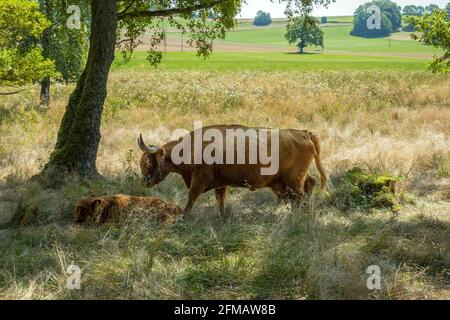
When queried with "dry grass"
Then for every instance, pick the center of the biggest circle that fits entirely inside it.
(388, 123)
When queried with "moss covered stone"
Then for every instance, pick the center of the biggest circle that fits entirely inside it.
(357, 188)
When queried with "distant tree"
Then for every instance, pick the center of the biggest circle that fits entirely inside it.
(413, 10)
(431, 8)
(447, 7)
(66, 47)
(21, 60)
(262, 19)
(434, 30)
(198, 15)
(408, 28)
(362, 15)
(212, 14)
(420, 11)
(324, 20)
(409, 11)
(304, 31)
(392, 11)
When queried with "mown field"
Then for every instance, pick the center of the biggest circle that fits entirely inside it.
(272, 61)
(388, 122)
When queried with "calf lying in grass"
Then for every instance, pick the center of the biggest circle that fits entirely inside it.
(92, 210)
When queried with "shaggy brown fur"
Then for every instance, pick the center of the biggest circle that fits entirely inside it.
(93, 210)
(297, 150)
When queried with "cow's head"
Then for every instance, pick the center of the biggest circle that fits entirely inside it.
(152, 163)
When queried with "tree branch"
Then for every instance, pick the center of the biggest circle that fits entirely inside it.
(127, 7)
(11, 93)
(168, 12)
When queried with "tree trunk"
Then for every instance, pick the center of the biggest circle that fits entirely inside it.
(79, 134)
(44, 7)
(45, 92)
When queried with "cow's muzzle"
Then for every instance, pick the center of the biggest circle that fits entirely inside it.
(154, 179)
(150, 182)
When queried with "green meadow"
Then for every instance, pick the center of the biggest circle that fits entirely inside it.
(271, 61)
(336, 38)
(264, 48)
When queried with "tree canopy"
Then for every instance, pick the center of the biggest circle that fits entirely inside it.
(390, 14)
(431, 8)
(21, 60)
(262, 19)
(304, 31)
(67, 47)
(434, 30)
(188, 16)
(413, 10)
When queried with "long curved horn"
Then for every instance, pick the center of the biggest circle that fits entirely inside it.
(144, 147)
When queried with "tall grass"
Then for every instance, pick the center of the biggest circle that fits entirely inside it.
(385, 122)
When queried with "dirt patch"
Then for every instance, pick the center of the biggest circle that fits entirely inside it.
(177, 44)
(404, 36)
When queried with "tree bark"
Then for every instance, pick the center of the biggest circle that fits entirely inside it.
(302, 46)
(44, 6)
(78, 138)
(45, 92)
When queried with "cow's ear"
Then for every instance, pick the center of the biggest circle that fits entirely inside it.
(161, 152)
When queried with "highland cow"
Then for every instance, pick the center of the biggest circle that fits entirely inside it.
(297, 150)
(92, 210)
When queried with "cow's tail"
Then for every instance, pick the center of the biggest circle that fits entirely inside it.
(323, 176)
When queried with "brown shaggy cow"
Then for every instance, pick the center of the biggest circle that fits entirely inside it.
(93, 210)
(297, 150)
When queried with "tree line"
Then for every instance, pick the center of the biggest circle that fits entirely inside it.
(391, 18)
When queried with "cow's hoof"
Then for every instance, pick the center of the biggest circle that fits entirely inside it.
(186, 213)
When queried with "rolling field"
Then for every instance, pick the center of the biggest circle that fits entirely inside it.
(337, 39)
(265, 49)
